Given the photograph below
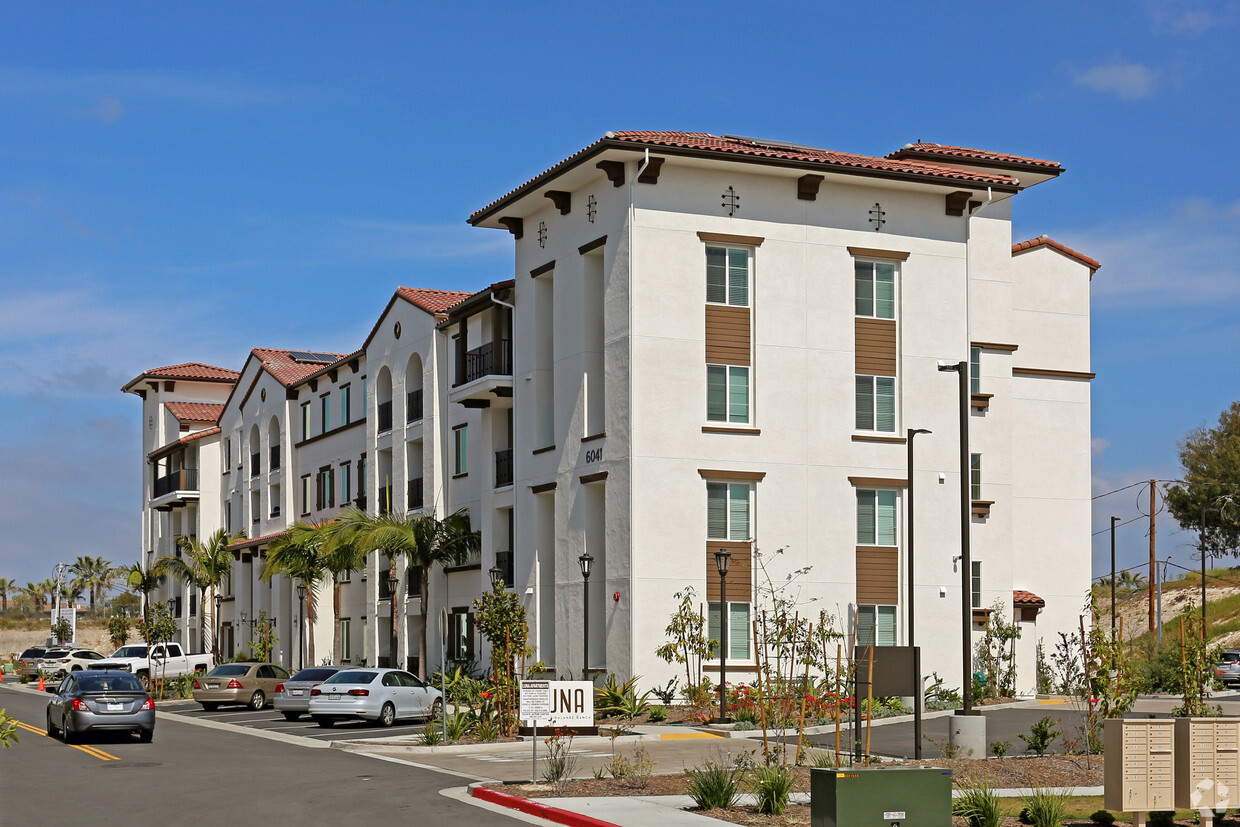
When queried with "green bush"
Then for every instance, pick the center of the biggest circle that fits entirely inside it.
(772, 785)
(1040, 736)
(1000, 748)
(1104, 817)
(745, 726)
(714, 785)
(613, 698)
(979, 806)
(658, 713)
(1161, 818)
(1047, 808)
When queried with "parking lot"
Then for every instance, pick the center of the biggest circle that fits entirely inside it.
(269, 720)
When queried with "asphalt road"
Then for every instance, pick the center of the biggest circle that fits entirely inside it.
(269, 720)
(193, 772)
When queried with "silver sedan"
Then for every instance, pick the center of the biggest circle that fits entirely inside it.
(90, 701)
(292, 697)
(381, 695)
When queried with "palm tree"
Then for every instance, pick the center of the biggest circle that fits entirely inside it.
(6, 585)
(95, 574)
(142, 581)
(422, 540)
(202, 566)
(35, 592)
(309, 552)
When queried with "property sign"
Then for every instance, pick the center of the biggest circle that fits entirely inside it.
(548, 704)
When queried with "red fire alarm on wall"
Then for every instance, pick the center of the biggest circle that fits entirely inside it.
(615, 596)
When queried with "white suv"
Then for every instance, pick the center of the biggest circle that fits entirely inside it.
(60, 662)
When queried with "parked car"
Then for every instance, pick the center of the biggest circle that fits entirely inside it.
(248, 684)
(59, 662)
(293, 696)
(166, 660)
(1227, 670)
(28, 661)
(382, 695)
(90, 701)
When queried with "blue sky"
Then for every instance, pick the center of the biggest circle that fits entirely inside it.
(182, 184)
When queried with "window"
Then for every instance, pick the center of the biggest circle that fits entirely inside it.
(460, 458)
(876, 625)
(727, 393)
(305, 420)
(325, 483)
(727, 276)
(975, 370)
(325, 411)
(876, 403)
(727, 511)
(361, 476)
(738, 629)
(460, 635)
(975, 476)
(346, 483)
(875, 289)
(305, 494)
(876, 518)
(345, 576)
(345, 395)
(227, 454)
(976, 579)
(363, 396)
(346, 643)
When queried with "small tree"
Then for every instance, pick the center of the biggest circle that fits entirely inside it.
(500, 618)
(263, 641)
(118, 630)
(995, 654)
(62, 630)
(158, 627)
(687, 643)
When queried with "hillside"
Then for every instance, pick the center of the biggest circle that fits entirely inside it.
(1222, 606)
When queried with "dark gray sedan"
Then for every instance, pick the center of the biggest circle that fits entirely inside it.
(292, 697)
(93, 701)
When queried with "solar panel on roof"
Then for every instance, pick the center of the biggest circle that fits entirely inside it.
(314, 358)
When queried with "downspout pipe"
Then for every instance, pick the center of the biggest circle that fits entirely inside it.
(629, 287)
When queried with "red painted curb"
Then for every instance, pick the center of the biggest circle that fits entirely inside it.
(535, 809)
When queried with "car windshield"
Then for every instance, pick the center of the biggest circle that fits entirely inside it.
(1231, 657)
(229, 670)
(318, 673)
(33, 652)
(56, 653)
(130, 652)
(352, 676)
(111, 682)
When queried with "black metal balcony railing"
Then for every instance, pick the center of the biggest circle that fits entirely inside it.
(385, 500)
(275, 457)
(415, 493)
(503, 559)
(503, 467)
(255, 470)
(413, 405)
(185, 479)
(385, 416)
(491, 359)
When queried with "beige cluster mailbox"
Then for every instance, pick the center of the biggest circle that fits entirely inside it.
(1139, 766)
(1207, 761)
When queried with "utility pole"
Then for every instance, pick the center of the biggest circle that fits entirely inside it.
(1153, 574)
(1114, 520)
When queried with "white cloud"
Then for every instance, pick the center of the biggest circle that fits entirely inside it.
(1130, 81)
(1098, 445)
(107, 111)
(1190, 18)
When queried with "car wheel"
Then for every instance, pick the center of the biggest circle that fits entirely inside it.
(75, 669)
(145, 679)
(146, 736)
(323, 721)
(291, 716)
(51, 730)
(387, 715)
(209, 706)
(257, 701)
(66, 732)
(436, 709)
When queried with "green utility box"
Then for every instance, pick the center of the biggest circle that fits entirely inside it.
(896, 797)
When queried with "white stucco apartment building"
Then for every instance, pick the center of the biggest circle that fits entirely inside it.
(706, 343)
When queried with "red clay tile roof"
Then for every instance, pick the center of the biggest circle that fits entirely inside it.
(195, 370)
(965, 153)
(188, 438)
(432, 301)
(703, 143)
(1020, 597)
(1047, 241)
(195, 411)
(285, 368)
(254, 541)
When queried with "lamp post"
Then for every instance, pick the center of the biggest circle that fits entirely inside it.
(966, 563)
(497, 576)
(912, 432)
(586, 560)
(393, 584)
(722, 558)
(301, 625)
(219, 655)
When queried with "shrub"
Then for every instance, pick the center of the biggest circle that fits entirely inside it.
(432, 735)
(1104, 817)
(1161, 818)
(744, 726)
(458, 723)
(714, 785)
(1047, 808)
(667, 692)
(1040, 735)
(561, 763)
(772, 785)
(1000, 748)
(658, 713)
(632, 772)
(979, 806)
(613, 698)
(747, 714)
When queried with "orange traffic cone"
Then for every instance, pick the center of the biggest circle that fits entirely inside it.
(42, 688)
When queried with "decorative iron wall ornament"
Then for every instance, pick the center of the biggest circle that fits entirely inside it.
(396, 330)
(591, 207)
(732, 201)
(878, 216)
(542, 233)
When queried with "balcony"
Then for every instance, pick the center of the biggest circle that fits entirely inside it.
(503, 468)
(255, 469)
(385, 500)
(275, 457)
(385, 416)
(415, 493)
(413, 406)
(484, 376)
(179, 483)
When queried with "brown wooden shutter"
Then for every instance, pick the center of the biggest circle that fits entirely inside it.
(878, 574)
(876, 347)
(740, 571)
(727, 335)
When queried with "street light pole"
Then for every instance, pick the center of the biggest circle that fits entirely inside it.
(722, 558)
(301, 625)
(393, 584)
(912, 432)
(586, 560)
(966, 563)
(219, 599)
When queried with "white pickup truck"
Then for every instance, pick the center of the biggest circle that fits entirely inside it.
(164, 660)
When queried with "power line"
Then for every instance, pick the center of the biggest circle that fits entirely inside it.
(1125, 488)
(1126, 522)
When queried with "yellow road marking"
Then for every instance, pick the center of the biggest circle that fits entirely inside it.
(1052, 701)
(676, 736)
(93, 752)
